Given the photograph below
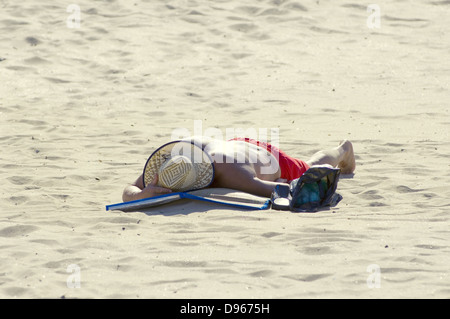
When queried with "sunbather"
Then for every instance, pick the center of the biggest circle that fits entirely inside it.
(250, 166)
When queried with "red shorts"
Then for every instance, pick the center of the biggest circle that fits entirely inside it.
(291, 168)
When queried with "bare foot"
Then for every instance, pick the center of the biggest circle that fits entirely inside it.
(348, 164)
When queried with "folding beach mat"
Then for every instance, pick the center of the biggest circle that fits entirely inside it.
(220, 196)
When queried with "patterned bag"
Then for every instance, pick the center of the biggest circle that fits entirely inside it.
(315, 189)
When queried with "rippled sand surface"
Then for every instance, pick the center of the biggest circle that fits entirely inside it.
(81, 109)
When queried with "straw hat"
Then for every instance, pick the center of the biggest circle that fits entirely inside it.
(181, 166)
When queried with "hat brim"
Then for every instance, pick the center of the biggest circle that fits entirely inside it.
(204, 166)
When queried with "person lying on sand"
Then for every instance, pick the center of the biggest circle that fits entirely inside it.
(249, 166)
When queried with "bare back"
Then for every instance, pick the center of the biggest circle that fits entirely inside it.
(250, 157)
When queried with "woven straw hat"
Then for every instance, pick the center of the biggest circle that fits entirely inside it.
(181, 166)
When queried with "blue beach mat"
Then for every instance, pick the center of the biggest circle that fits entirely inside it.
(211, 195)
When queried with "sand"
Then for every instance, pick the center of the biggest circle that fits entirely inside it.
(81, 109)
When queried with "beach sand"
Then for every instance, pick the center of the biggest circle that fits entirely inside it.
(81, 109)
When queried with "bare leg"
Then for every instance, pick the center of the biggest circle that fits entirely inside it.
(341, 156)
